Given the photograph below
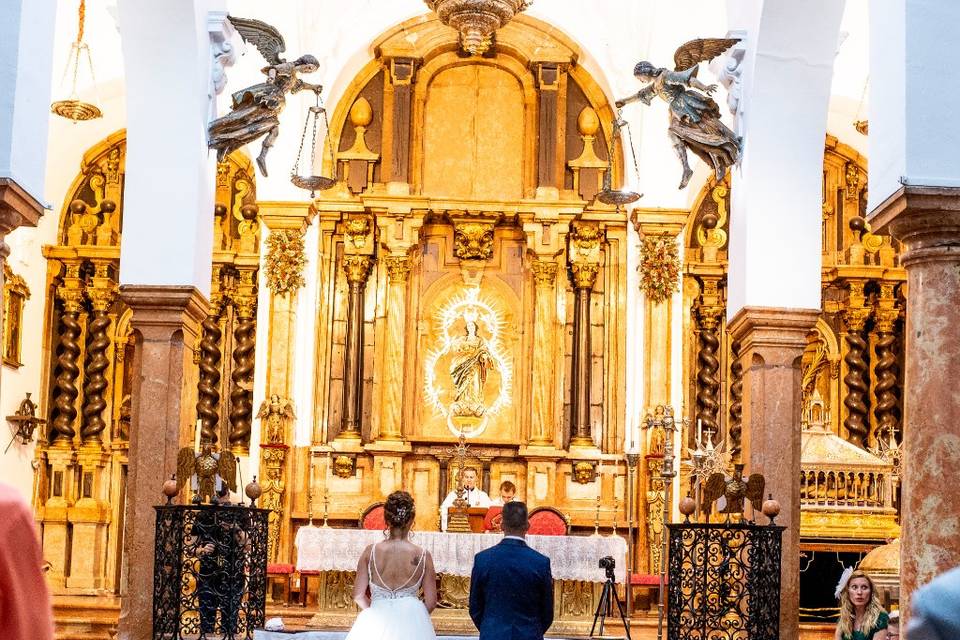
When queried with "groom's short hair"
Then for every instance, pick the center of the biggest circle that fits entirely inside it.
(514, 517)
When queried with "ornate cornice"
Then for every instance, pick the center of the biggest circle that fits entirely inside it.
(473, 240)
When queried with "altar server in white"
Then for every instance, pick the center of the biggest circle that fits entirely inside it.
(474, 496)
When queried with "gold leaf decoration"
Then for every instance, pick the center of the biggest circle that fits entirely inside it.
(285, 261)
(659, 267)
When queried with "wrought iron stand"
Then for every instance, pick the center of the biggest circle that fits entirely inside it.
(724, 581)
(209, 572)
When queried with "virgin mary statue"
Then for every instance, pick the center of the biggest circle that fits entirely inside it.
(468, 370)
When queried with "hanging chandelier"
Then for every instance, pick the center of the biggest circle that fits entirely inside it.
(477, 20)
(73, 108)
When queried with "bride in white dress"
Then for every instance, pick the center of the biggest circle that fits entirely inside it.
(390, 575)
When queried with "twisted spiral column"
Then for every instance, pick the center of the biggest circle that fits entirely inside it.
(64, 414)
(208, 384)
(708, 383)
(735, 410)
(856, 317)
(241, 393)
(101, 294)
(885, 369)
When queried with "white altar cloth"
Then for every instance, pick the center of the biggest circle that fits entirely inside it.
(571, 557)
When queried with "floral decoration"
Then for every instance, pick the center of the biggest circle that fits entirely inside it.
(285, 261)
(659, 267)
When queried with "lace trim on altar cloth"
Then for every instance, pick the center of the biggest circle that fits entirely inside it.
(572, 557)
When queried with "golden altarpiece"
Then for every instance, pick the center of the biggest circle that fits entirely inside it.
(465, 277)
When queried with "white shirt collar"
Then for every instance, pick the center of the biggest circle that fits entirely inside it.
(520, 538)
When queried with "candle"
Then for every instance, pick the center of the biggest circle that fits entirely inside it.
(699, 432)
(196, 436)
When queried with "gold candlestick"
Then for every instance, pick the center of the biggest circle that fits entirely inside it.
(326, 506)
(596, 520)
(310, 494)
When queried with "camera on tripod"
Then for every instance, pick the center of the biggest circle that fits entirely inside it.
(608, 564)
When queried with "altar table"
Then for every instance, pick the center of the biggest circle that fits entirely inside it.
(571, 557)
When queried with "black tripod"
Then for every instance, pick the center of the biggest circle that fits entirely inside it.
(607, 599)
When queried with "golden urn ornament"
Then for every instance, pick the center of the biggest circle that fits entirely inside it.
(477, 20)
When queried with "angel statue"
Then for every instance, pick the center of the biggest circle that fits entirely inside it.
(274, 413)
(256, 109)
(694, 117)
(207, 466)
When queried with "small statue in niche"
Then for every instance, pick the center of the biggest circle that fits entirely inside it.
(694, 117)
(274, 413)
(256, 109)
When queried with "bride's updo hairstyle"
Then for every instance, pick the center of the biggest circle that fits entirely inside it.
(399, 510)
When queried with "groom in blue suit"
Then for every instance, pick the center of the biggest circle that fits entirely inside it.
(511, 587)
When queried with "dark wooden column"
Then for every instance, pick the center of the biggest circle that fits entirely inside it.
(402, 74)
(548, 89)
(357, 268)
(584, 275)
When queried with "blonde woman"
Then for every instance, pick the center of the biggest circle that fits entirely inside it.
(861, 616)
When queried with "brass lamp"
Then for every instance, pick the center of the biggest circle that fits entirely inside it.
(24, 422)
(73, 108)
(477, 20)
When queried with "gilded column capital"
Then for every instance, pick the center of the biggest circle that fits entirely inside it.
(544, 272)
(398, 268)
(584, 274)
(886, 310)
(473, 239)
(856, 313)
(357, 268)
(358, 234)
(244, 295)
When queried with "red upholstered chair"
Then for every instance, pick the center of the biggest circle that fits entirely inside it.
(372, 517)
(282, 572)
(547, 521)
(647, 581)
(493, 521)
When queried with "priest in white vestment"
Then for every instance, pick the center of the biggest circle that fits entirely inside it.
(474, 496)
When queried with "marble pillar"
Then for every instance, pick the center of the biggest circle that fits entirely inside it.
(926, 220)
(166, 326)
(357, 269)
(544, 359)
(771, 343)
(398, 269)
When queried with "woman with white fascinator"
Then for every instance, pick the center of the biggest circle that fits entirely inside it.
(861, 615)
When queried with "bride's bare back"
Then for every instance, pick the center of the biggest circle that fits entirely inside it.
(395, 564)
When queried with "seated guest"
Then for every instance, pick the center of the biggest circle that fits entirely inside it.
(475, 497)
(507, 491)
(861, 615)
(893, 626)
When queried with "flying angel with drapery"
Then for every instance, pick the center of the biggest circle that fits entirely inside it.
(694, 117)
(256, 109)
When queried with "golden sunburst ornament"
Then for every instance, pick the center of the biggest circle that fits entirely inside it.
(73, 108)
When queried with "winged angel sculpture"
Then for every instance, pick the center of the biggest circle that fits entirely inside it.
(206, 466)
(734, 491)
(694, 117)
(256, 109)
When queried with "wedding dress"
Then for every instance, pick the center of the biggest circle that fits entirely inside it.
(393, 614)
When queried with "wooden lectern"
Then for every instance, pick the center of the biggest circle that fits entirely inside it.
(475, 518)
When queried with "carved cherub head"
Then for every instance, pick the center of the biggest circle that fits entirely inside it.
(583, 472)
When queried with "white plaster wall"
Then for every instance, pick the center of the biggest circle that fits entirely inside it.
(168, 194)
(913, 95)
(26, 35)
(775, 225)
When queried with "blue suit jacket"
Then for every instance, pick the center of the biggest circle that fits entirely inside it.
(511, 592)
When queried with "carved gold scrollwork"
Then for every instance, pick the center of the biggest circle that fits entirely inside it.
(338, 590)
(584, 274)
(356, 231)
(576, 598)
(454, 592)
(357, 269)
(473, 240)
(544, 272)
(285, 261)
(274, 484)
(398, 268)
